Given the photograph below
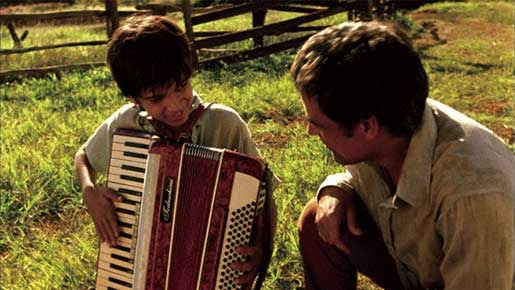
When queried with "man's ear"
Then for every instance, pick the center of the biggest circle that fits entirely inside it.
(370, 127)
(133, 100)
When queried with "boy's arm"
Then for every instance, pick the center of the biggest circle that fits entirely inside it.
(98, 200)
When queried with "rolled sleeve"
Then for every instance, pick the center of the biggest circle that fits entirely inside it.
(341, 180)
(98, 146)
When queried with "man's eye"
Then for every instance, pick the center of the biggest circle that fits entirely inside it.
(180, 87)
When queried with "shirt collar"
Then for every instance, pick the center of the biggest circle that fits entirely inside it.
(415, 178)
(142, 115)
(196, 100)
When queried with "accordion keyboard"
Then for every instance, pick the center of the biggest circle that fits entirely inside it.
(126, 177)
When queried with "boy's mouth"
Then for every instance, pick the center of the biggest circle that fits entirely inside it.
(175, 117)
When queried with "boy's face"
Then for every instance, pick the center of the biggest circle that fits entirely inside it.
(170, 104)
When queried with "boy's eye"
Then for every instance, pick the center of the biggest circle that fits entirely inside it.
(156, 98)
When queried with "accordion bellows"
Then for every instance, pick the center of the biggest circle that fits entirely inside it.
(185, 210)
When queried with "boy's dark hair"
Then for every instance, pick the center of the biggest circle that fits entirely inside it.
(148, 52)
(356, 70)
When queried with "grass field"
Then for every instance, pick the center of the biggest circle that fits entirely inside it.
(47, 239)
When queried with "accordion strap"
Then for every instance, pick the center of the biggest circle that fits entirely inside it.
(267, 235)
(181, 134)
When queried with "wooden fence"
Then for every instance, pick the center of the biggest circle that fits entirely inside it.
(208, 44)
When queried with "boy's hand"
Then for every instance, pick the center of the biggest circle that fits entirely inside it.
(99, 201)
(250, 268)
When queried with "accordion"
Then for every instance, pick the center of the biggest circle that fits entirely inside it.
(185, 210)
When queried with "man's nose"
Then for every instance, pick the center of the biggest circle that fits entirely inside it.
(312, 130)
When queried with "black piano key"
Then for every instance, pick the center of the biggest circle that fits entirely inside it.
(136, 145)
(133, 168)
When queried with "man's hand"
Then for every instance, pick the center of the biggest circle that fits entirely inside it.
(336, 207)
(251, 266)
(99, 202)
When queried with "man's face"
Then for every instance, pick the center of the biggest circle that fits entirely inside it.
(346, 150)
(170, 104)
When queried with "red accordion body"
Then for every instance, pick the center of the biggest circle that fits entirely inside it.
(197, 205)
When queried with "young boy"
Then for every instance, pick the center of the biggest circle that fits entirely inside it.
(150, 60)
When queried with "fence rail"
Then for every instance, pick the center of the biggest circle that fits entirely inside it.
(23, 17)
(206, 42)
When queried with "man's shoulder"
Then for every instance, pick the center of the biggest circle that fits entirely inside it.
(469, 159)
(456, 128)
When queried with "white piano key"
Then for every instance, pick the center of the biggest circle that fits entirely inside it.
(130, 197)
(120, 171)
(126, 206)
(103, 279)
(117, 178)
(104, 248)
(126, 218)
(141, 158)
(129, 231)
(103, 284)
(134, 192)
(133, 139)
(113, 269)
(108, 259)
(126, 241)
(121, 162)
(125, 148)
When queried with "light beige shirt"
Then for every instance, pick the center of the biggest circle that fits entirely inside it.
(450, 223)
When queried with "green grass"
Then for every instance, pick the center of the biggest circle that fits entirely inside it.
(43, 36)
(47, 240)
(491, 11)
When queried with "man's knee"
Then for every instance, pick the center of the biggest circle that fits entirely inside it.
(306, 224)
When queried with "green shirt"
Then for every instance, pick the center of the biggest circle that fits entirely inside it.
(450, 223)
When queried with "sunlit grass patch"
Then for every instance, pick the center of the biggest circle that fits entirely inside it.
(491, 11)
(50, 253)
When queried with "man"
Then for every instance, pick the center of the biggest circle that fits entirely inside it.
(426, 197)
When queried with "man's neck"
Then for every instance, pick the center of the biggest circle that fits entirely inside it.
(390, 155)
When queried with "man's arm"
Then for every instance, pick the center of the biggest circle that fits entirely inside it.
(336, 206)
(478, 242)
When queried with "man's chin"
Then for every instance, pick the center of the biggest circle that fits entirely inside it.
(339, 159)
(342, 160)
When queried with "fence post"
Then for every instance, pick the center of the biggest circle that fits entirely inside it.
(258, 19)
(14, 35)
(112, 17)
(188, 24)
